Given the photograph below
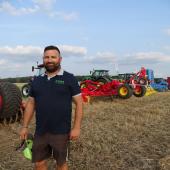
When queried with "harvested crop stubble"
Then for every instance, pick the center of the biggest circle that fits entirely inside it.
(128, 134)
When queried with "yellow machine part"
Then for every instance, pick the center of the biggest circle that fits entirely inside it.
(149, 91)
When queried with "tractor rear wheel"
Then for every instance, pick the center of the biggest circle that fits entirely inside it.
(25, 90)
(139, 91)
(10, 102)
(124, 91)
(102, 80)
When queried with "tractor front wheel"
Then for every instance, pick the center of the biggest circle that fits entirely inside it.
(124, 91)
(25, 90)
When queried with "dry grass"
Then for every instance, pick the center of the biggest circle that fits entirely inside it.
(128, 134)
(131, 134)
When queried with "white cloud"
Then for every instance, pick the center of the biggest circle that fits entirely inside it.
(39, 6)
(20, 50)
(2, 62)
(10, 9)
(65, 16)
(167, 47)
(167, 31)
(45, 4)
(18, 60)
(22, 53)
(145, 58)
(101, 58)
(68, 50)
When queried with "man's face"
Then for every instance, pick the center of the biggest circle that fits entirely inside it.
(51, 60)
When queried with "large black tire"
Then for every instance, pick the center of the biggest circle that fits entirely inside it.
(140, 92)
(25, 90)
(124, 91)
(11, 99)
(103, 80)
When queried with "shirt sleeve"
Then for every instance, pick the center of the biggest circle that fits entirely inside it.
(74, 87)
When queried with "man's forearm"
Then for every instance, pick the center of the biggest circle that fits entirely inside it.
(78, 116)
(28, 113)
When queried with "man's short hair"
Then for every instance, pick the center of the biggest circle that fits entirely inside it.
(51, 47)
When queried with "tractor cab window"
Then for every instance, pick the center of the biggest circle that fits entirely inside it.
(41, 71)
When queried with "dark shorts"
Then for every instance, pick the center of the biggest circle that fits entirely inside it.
(47, 145)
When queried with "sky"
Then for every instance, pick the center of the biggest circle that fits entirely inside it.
(118, 35)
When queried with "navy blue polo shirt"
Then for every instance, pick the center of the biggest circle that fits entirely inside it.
(53, 102)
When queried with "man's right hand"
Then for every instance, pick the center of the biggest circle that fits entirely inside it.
(23, 133)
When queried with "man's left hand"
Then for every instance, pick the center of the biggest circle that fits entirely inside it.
(75, 133)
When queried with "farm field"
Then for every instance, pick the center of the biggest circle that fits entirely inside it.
(132, 134)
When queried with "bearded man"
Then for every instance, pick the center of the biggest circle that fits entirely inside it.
(50, 98)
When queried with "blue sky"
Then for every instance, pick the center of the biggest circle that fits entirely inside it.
(119, 35)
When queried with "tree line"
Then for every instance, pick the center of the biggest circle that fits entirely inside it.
(27, 79)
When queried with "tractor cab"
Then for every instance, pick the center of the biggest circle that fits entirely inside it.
(40, 70)
(125, 76)
(99, 73)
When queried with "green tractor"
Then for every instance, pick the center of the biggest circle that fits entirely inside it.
(10, 103)
(101, 76)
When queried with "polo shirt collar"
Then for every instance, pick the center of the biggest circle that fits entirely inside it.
(60, 73)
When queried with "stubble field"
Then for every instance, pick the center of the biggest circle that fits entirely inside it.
(131, 134)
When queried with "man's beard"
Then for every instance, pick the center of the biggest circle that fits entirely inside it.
(52, 67)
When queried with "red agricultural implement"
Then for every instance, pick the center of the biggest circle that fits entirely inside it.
(113, 88)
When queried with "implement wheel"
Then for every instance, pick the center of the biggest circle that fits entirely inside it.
(83, 85)
(124, 91)
(139, 91)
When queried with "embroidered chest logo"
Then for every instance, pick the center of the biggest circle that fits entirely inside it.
(59, 82)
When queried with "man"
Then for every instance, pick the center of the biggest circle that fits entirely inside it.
(51, 97)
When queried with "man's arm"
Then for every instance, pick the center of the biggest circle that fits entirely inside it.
(28, 114)
(75, 132)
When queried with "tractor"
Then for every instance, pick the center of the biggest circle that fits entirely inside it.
(135, 78)
(101, 76)
(25, 88)
(10, 103)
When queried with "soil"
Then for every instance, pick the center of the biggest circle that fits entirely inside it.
(132, 134)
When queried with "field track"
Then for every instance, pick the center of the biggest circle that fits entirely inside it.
(131, 134)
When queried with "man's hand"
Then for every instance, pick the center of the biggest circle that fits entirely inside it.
(28, 114)
(23, 133)
(75, 133)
